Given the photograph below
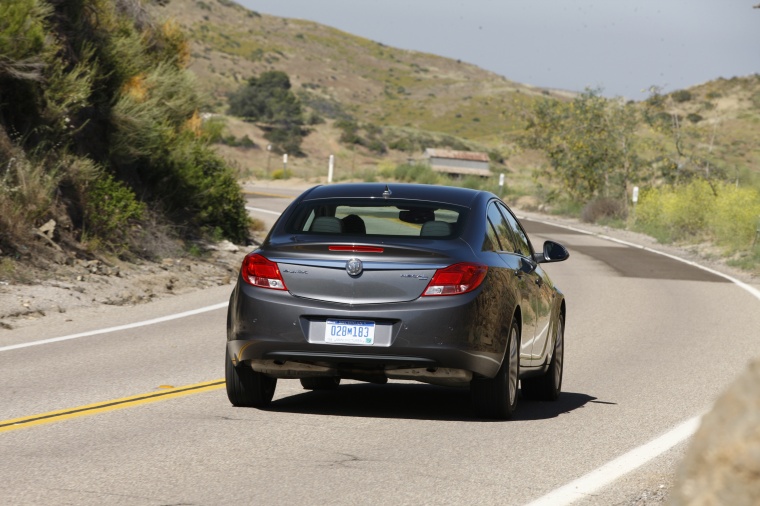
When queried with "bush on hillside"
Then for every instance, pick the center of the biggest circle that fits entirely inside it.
(417, 173)
(602, 208)
(96, 112)
(701, 210)
(110, 211)
(268, 99)
(680, 96)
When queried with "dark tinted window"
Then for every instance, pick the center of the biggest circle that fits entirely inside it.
(523, 244)
(373, 217)
(490, 241)
(502, 229)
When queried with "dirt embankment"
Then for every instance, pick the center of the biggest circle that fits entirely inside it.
(34, 290)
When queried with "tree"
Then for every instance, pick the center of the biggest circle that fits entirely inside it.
(691, 155)
(590, 143)
(269, 100)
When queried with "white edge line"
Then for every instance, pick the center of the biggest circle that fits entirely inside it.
(751, 289)
(259, 210)
(131, 325)
(601, 477)
(118, 328)
(586, 485)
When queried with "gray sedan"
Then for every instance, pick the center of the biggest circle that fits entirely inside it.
(373, 282)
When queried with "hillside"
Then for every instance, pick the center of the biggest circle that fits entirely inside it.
(726, 113)
(411, 93)
(374, 82)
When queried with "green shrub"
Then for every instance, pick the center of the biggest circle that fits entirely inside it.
(694, 117)
(603, 208)
(680, 96)
(701, 211)
(735, 216)
(474, 182)
(213, 129)
(110, 211)
(386, 169)
(377, 146)
(679, 212)
(417, 173)
(202, 191)
(368, 176)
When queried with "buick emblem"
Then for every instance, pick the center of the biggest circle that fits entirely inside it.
(354, 267)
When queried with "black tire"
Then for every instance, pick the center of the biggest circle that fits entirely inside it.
(320, 383)
(548, 386)
(497, 397)
(246, 387)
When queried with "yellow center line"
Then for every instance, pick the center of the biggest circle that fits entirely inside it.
(105, 406)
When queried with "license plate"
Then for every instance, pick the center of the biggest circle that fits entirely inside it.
(349, 332)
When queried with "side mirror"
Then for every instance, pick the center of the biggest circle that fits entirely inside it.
(553, 252)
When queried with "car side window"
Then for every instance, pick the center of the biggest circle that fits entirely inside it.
(490, 241)
(501, 228)
(523, 243)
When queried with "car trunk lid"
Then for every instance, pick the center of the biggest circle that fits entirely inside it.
(358, 274)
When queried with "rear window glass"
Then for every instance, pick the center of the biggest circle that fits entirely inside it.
(386, 218)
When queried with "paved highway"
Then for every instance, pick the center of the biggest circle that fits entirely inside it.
(137, 415)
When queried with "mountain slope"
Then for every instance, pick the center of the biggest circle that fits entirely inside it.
(343, 72)
(338, 74)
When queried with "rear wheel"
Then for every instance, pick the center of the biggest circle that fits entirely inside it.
(548, 386)
(246, 387)
(320, 383)
(497, 397)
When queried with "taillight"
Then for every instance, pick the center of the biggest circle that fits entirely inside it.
(456, 279)
(260, 271)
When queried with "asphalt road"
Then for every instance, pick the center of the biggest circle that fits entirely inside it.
(650, 343)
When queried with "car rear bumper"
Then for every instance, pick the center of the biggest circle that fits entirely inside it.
(271, 328)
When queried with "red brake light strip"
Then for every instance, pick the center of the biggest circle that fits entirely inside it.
(357, 249)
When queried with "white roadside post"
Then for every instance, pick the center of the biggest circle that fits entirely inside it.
(330, 169)
(285, 166)
(501, 184)
(635, 199)
(269, 156)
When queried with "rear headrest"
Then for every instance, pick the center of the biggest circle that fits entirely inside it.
(353, 224)
(435, 229)
(326, 225)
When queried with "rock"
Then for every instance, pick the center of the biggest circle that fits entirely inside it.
(47, 232)
(48, 229)
(223, 246)
(722, 465)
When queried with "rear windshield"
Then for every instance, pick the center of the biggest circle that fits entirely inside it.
(386, 218)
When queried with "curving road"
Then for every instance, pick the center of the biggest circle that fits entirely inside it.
(137, 415)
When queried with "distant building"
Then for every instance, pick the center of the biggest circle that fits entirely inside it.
(458, 163)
